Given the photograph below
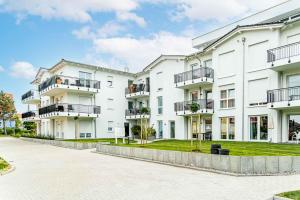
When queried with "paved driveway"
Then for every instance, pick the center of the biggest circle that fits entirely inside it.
(54, 173)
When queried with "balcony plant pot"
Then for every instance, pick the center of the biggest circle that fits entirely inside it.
(194, 107)
(58, 80)
(145, 111)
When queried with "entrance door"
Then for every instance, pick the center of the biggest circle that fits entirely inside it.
(172, 129)
(126, 127)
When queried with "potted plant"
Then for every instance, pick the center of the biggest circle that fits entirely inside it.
(144, 110)
(58, 80)
(194, 107)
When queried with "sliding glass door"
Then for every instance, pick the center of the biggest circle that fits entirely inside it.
(258, 128)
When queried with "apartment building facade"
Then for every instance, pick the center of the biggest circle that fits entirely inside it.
(243, 84)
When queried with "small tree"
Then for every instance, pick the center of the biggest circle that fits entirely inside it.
(7, 109)
(194, 107)
(30, 126)
(136, 130)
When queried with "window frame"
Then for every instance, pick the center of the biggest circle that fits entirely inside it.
(228, 128)
(227, 99)
(160, 107)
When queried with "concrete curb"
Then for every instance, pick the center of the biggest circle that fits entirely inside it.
(229, 165)
(63, 144)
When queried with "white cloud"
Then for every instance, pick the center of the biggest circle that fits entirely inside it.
(73, 10)
(127, 16)
(1, 68)
(139, 52)
(22, 69)
(110, 29)
(203, 10)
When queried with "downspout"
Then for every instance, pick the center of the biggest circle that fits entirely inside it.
(243, 92)
(95, 120)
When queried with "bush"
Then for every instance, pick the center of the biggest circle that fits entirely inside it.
(136, 130)
(151, 132)
(195, 107)
(145, 110)
(45, 137)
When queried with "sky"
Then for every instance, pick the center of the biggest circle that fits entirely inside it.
(109, 33)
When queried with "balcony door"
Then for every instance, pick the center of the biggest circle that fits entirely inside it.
(293, 81)
(194, 95)
(258, 128)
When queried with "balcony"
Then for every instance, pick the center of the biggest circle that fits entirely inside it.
(30, 116)
(284, 57)
(200, 106)
(200, 76)
(137, 91)
(143, 113)
(31, 97)
(58, 84)
(284, 98)
(69, 110)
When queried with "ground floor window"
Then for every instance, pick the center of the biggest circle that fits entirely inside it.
(110, 127)
(160, 128)
(227, 128)
(294, 127)
(258, 127)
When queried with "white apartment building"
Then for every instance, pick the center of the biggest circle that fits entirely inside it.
(243, 84)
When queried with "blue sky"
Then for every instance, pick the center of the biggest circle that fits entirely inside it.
(110, 33)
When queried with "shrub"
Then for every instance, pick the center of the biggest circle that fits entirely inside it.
(145, 110)
(136, 130)
(151, 132)
(194, 107)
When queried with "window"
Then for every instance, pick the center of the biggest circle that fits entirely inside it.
(85, 75)
(160, 105)
(227, 98)
(109, 81)
(227, 128)
(258, 127)
(194, 66)
(194, 95)
(110, 103)
(257, 90)
(294, 127)
(159, 81)
(208, 63)
(160, 128)
(110, 125)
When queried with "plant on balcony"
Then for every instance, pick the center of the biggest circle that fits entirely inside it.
(194, 107)
(145, 110)
(58, 80)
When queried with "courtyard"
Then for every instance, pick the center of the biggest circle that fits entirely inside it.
(48, 172)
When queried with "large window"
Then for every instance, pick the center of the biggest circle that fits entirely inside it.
(227, 128)
(294, 126)
(258, 127)
(160, 105)
(227, 98)
(160, 128)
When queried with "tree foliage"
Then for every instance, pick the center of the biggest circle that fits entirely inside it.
(7, 108)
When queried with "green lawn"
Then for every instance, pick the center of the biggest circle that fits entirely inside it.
(3, 165)
(292, 195)
(236, 148)
(111, 140)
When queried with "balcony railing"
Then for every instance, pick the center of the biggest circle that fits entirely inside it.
(28, 94)
(284, 52)
(135, 88)
(284, 94)
(29, 114)
(71, 81)
(135, 111)
(199, 104)
(201, 72)
(70, 108)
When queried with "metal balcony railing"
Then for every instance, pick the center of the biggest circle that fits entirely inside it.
(135, 111)
(286, 51)
(72, 81)
(29, 114)
(284, 94)
(200, 103)
(135, 88)
(28, 94)
(201, 72)
(70, 108)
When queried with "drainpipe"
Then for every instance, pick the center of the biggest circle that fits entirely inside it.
(243, 93)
